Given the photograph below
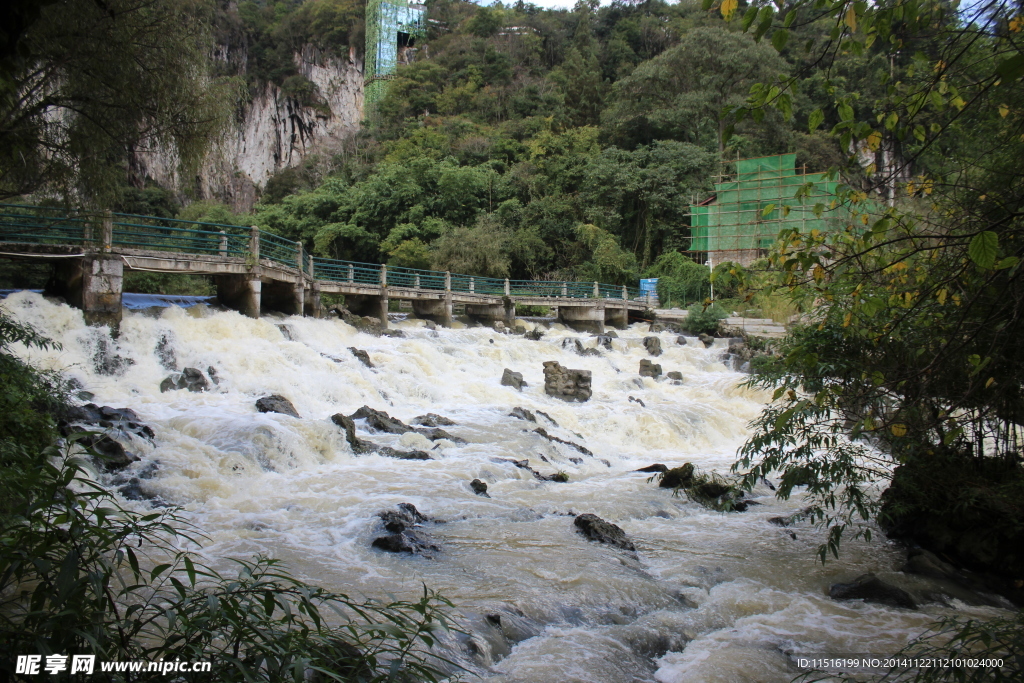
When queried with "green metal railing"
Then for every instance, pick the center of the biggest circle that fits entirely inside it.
(44, 225)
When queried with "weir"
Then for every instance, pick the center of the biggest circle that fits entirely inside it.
(257, 272)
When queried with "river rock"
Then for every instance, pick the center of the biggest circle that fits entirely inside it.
(596, 529)
(605, 341)
(675, 375)
(519, 329)
(656, 467)
(479, 488)
(656, 327)
(212, 373)
(359, 446)
(105, 417)
(165, 353)
(565, 383)
(636, 400)
(653, 345)
(500, 328)
(189, 378)
(577, 346)
(430, 324)
(512, 379)
(397, 334)
(870, 588)
(286, 332)
(681, 340)
(706, 339)
(401, 523)
(363, 356)
(534, 334)
(275, 403)
(433, 420)
(649, 369)
(389, 452)
(523, 414)
(436, 434)
(543, 432)
(380, 421)
(111, 454)
(677, 477)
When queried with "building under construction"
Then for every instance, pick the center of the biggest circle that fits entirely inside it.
(736, 223)
(392, 29)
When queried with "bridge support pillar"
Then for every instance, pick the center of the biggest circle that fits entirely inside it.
(283, 297)
(490, 313)
(312, 301)
(242, 293)
(587, 318)
(616, 316)
(93, 284)
(370, 305)
(436, 310)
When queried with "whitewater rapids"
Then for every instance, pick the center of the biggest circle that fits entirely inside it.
(713, 597)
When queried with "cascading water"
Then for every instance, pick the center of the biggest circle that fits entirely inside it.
(708, 596)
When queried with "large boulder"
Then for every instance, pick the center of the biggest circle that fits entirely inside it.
(534, 334)
(870, 588)
(653, 345)
(363, 356)
(706, 339)
(565, 383)
(512, 379)
(675, 375)
(479, 488)
(596, 529)
(275, 403)
(677, 477)
(433, 420)
(649, 369)
(358, 445)
(401, 524)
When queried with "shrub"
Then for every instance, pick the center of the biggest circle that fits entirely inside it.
(704, 319)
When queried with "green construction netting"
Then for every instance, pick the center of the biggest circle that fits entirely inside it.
(388, 22)
(739, 217)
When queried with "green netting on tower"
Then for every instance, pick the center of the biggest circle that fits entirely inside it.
(392, 26)
(748, 211)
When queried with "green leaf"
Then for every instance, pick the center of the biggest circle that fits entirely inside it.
(779, 39)
(1008, 262)
(190, 570)
(1010, 69)
(845, 111)
(815, 119)
(983, 248)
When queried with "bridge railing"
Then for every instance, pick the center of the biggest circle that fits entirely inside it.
(346, 271)
(279, 249)
(44, 225)
(174, 235)
(414, 277)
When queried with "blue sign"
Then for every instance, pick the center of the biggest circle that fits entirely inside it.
(649, 286)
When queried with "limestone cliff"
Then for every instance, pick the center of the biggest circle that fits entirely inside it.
(271, 132)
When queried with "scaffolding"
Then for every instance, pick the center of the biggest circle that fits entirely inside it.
(392, 28)
(744, 216)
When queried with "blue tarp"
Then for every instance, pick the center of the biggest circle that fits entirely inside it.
(134, 301)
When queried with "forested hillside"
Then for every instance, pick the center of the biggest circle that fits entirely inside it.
(534, 143)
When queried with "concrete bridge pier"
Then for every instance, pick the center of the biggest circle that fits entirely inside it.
(93, 284)
(243, 293)
(489, 313)
(436, 310)
(370, 305)
(583, 318)
(283, 296)
(312, 301)
(616, 317)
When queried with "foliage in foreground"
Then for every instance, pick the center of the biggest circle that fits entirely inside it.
(81, 574)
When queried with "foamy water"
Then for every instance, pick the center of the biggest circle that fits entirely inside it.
(711, 597)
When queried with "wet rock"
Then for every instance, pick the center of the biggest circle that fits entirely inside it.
(706, 339)
(433, 420)
(401, 523)
(389, 452)
(870, 588)
(397, 334)
(925, 563)
(543, 432)
(636, 400)
(656, 327)
(363, 356)
(107, 361)
(523, 414)
(649, 369)
(790, 519)
(676, 375)
(577, 346)
(653, 345)
(165, 353)
(286, 332)
(430, 324)
(380, 421)
(85, 395)
(596, 529)
(110, 454)
(189, 378)
(211, 372)
(519, 329)
(499, 327)
(565, 383)
(275, 403)
(92, 416)
(677, 477)
(547, 417)
(605, 341)
(534, 334)
(436, 433)
(656, 467)
(681, 340)
(512, 379)
(359, 446)
(479, 488)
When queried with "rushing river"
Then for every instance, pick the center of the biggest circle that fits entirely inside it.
(712, 597)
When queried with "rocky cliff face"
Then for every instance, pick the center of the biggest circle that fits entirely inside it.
(271, 133)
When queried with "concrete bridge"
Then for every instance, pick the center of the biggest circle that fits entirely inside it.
(256, 271)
